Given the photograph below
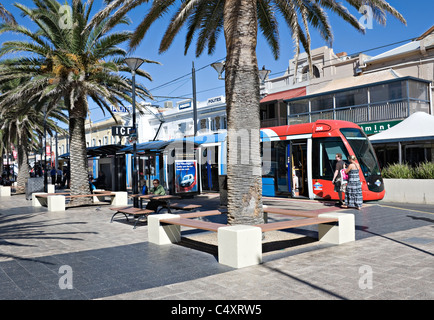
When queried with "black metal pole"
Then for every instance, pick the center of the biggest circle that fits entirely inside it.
(134, 160)
(193, 71)
(45, 151)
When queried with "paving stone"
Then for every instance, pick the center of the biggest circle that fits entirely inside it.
(113, 261)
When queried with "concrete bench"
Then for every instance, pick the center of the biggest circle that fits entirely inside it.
(57, 201)
(5, 191)
(241, 245)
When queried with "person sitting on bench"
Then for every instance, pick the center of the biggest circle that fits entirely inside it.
(157, 189)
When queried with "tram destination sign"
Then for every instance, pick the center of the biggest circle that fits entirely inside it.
(122, 131)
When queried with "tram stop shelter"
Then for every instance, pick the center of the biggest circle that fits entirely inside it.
(104, 159)
(410, 141)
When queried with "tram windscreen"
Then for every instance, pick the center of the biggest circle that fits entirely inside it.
(363, 150)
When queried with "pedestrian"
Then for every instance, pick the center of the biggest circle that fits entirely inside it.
(353, 194)
(337, 179)
(66, 177)
(59, 177)
(53, 175)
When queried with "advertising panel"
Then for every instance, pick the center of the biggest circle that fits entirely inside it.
(186, 176)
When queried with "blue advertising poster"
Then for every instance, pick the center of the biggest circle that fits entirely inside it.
(186, 176)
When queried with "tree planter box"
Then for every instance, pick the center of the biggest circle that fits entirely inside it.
(409, 190)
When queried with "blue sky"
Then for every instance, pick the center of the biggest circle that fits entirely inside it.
(175, 64)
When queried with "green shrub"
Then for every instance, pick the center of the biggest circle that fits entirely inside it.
(398, 171)
(424, 170)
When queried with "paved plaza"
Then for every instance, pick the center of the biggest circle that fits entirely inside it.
(79, 254)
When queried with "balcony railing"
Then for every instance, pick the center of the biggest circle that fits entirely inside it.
(365, 113)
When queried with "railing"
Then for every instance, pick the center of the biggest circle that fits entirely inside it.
(274, 122)
(364, 113)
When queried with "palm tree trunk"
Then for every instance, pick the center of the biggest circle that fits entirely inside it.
(242, 101)
(23, 168)
(78, 154)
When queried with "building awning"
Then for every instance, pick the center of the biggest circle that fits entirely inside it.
(99, 151)
(155, 146)
(285, 95)
(419, 126)
(147, 146)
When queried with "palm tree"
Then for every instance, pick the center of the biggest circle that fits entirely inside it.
(239, 21)
(21, 126)
(6, 16)
(68, 63)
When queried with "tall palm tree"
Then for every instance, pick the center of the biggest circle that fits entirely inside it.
(21, 128)
(239, 21)
(21, 124)
(67, 62)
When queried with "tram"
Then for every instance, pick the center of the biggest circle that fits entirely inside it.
(299, 160)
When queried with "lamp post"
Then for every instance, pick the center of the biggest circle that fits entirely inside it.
(263, 74)
(45, 151)
(134, 64)
(193, 77)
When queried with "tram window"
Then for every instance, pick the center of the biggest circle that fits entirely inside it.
(363, 150)
(323, 157)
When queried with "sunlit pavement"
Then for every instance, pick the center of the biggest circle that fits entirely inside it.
(79, 254)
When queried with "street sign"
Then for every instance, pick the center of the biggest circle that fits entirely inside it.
(121, 131)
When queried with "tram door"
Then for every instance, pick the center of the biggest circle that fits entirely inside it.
(297, 161)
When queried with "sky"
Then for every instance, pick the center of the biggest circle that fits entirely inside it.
(176, 65)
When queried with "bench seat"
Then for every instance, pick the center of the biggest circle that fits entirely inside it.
(182, 206)
(136, 212)
(198, 214)
(241, 245)
(198, 224)
(298, 213)
(281, 225)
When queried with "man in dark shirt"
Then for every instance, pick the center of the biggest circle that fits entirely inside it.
(337, 179)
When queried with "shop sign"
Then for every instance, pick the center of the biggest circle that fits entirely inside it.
(216, 100)
(373, 128)
(184, 105)
(121, 131)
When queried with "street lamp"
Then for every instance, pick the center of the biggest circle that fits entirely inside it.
(134, 64)
(263, 74)
(219, 67)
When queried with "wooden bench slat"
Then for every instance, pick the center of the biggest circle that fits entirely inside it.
(293, 213)
(200, 214)
(299, 213)
(183, 206)
(280, 225)
(132, 210)
(205, 225)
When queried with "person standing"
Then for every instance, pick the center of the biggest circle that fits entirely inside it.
(53, 173)
(337, 179)
(353, 194)
(59, 177)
